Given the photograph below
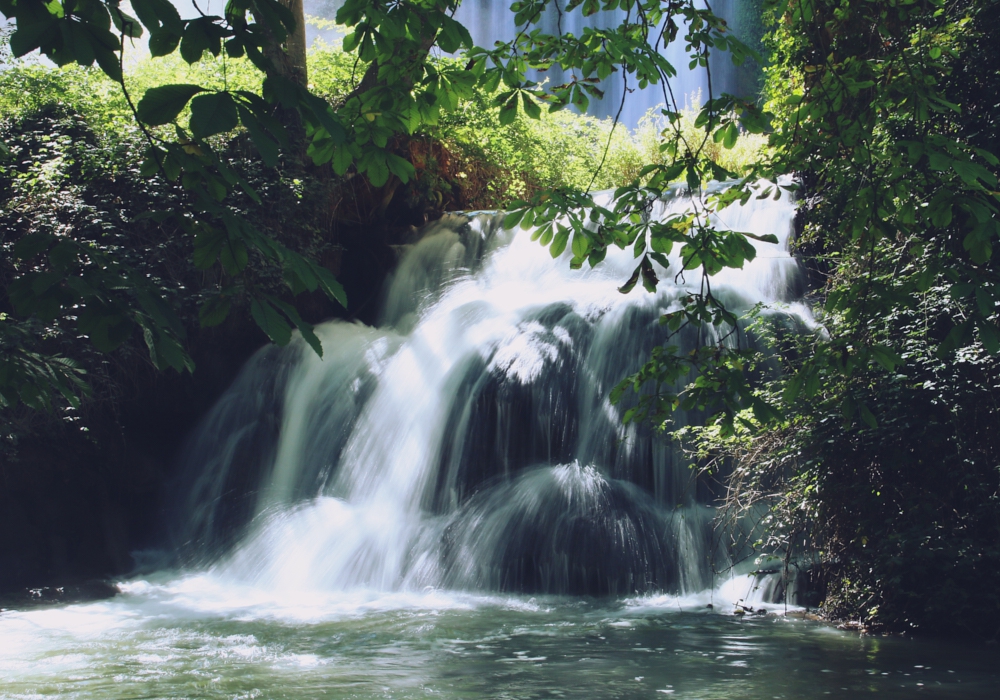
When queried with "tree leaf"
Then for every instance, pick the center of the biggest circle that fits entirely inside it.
(163, 42)
(161, 105)
(329, 284)
(632, 281)
(158, 13)
(214, 310)
(531, 107)
(266, 146)
(194, 42)
(212, 114)
(271, 321)
(306, 329)
(126, 23)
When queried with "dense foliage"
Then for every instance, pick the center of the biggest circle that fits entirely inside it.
(400, 91)
(877, 446)
(887, 463)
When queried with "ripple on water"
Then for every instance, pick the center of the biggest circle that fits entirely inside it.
(195, 636)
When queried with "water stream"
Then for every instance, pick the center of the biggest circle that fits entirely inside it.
(200, 638)
(449, 506)
(468, 442)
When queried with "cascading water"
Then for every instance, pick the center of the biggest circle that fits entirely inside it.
(468, 442)
(380, 523)
(489, 21)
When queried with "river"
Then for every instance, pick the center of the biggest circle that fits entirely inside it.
(199, 637)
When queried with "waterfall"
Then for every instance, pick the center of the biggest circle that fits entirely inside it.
(468, 442)
(489, 21)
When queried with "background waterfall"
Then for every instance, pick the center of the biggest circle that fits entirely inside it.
(468, 442)
(489, 21)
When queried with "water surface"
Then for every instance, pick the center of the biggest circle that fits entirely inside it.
(199, 637)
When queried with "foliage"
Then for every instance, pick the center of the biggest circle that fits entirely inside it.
(82, 187)
(77, 151)
(400, 92)
(904, 515)
(738, 158)
(358, 135)
(884, 108)
(525, 156)
(887, 462)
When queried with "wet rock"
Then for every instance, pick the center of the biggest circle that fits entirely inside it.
(83, 592)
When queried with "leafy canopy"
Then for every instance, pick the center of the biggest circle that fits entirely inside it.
(864, 104)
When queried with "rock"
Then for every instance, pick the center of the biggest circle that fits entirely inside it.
(84, 592)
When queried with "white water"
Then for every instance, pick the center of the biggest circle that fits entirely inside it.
(489, 21)
(389, 521)
(468, 443)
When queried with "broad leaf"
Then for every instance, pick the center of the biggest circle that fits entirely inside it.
(212, 114)
(161, 105)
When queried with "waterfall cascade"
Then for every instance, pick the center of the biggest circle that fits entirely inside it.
(468, 442)
(489, 21)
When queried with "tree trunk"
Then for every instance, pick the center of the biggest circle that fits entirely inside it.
(295, 44)
(288, 58)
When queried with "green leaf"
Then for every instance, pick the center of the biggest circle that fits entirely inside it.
(126, 23)
(971, 173)
(194, 42)
(660, 259)
(792, 388)
(30, 35)
(214, 310)
(271, 321)
(508, 112)
(990, 335)
(212, 114)
(157, 13)
(266, 146)
(649, 279)
(342, 159)
(559, 241)
(164, 350)
(531, 107)
(161, 105)
(764, 238)
(886, 357)
(299, 275)
(375, 168)
(163, 42)
(31, 245)
(329, 284)
(160, 311)
(351, 41)
(632, 281)
(513, 218)
(400, 167)
(208, 245)
(985, 302)
(306, 329)
(107, 327)
(234, 257)
(732, 134)
(867, 416)
(763, 411)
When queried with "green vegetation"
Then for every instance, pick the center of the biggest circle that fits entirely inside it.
(74, 172)
(877, 447)
(886, 462)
